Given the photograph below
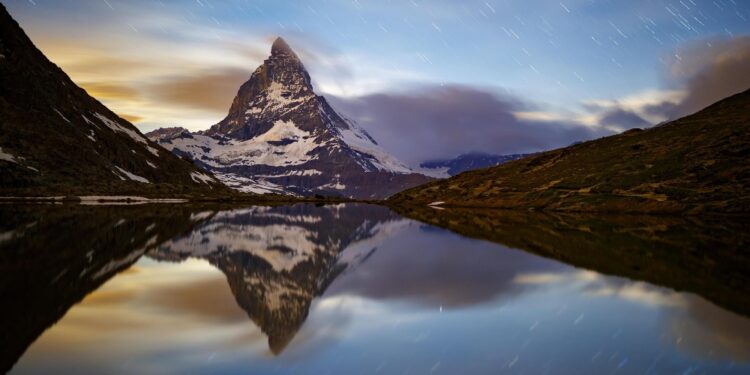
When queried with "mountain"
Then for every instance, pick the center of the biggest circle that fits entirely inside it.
(55, 139)
(465, 162)
(698, 163)
(280, 137)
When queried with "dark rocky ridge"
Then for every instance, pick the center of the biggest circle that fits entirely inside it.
(55, 139)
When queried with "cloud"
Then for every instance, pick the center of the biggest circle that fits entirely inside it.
(622, 119)
(698, 74)
(110, 90)
(131, 118)
(212, 91)
(431, 122)
(709, 71)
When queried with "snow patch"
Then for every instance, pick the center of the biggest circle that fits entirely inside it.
(133, 176)
(434, 172)
(7, 157)
(118, 175)
(199, 177)
(306, 172)
(358, 140)
(295, 146)
(61, 115)
(334, 185)
(88, 121)
(129, 132)
(249, 185)
(278, 97)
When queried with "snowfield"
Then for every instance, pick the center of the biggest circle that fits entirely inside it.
(258, 150)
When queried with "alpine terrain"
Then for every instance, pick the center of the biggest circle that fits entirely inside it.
(698, 163)
(280, 137)
(55, 139)
(465, 162)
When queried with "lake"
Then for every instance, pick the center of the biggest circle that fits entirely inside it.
(364, 289)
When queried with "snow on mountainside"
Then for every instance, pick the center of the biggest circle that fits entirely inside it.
(280, 137)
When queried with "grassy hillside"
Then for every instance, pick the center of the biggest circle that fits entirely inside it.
(695, 164)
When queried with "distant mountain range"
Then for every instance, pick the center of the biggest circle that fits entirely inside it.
(280, 137)
(465, 162)
(695, 164)
(55, 139)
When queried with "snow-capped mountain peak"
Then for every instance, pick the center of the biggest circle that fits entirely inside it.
(280, 137)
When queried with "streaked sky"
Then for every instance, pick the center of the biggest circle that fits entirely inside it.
(582, 68)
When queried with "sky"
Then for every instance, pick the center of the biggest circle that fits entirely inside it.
(427, 78)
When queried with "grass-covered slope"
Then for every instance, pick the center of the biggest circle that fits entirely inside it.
(695, 164)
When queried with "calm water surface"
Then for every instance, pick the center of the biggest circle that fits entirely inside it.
(359, 289)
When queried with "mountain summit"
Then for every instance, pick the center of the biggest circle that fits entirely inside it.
(280, 47)
(279, 85)
(280, 137)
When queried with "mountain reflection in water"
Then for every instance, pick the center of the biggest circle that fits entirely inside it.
(352, 288)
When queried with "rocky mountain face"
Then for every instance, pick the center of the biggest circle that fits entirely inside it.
(278, 259)
(695, 164)
(280, 137)
(55, 139)
(465, 162)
